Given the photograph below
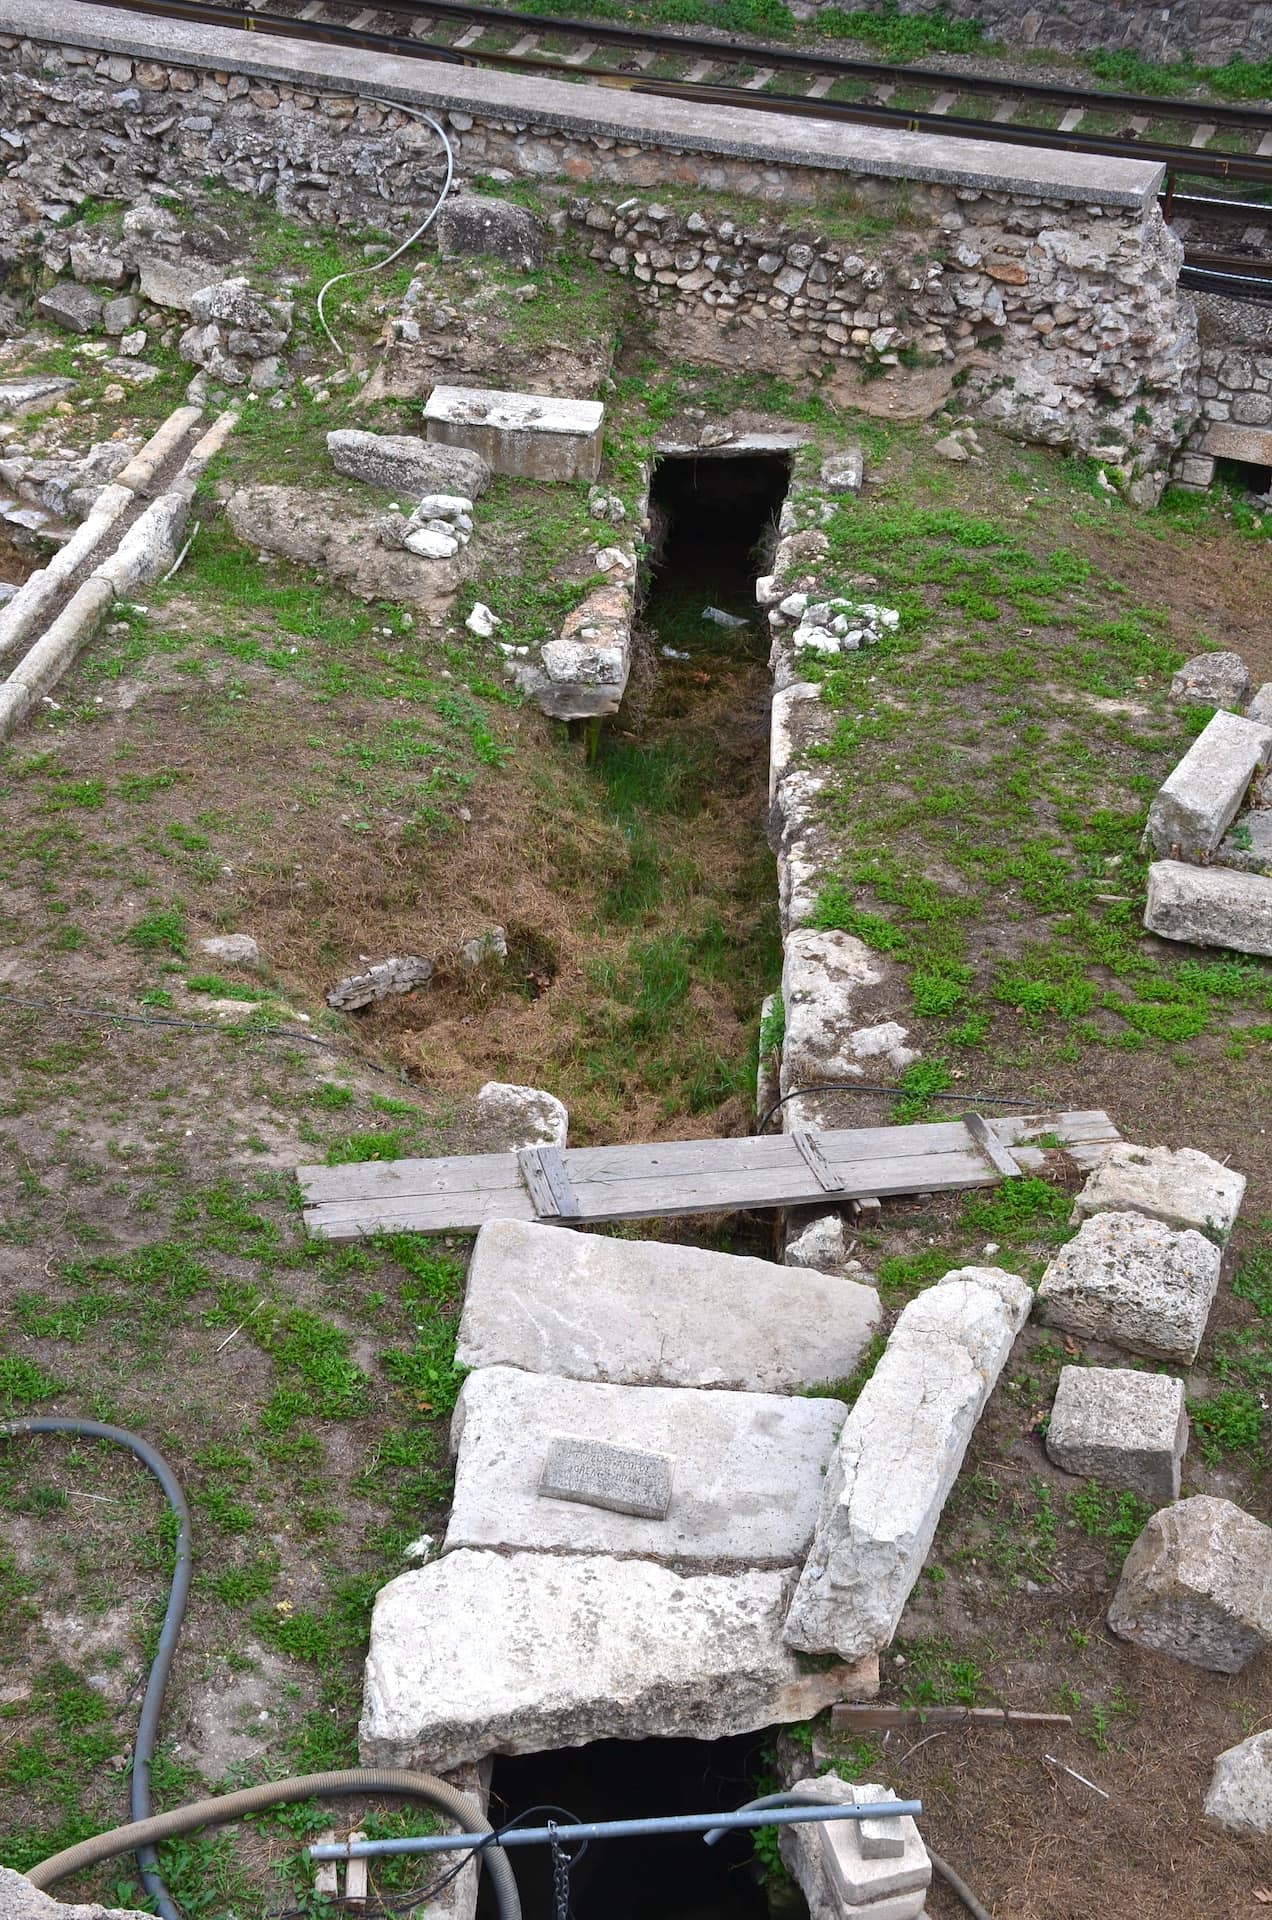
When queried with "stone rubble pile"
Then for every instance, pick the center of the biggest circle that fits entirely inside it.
(1210, 824)
(436, 528)
(832, 626)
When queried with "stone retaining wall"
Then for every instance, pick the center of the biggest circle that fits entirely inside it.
(1052, 294)
(1234, 386)
(1211, 31)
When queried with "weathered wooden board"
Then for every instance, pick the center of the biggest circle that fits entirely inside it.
(676, 1176)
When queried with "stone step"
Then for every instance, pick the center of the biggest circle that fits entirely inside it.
(746, 1469)
(651, 1313)
(527, 1652)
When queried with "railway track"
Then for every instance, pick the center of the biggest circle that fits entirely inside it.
(1195, 141)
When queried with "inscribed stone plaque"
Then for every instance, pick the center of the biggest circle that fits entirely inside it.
(622, 1479)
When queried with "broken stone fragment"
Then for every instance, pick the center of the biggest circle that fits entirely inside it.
(1210, 906)
(398, 975)
(1135, 1283)
(483, 947)
(1240, 1793)
(234, 949)
(120, 316)
(843, 472)
(511, 1117)
(1120, 1428)
(19, 1900)
(1183, 1188)
(898, 1456)
(1197, 1585)
(431, 544)
(72, 306)
(406, 465)
(1213, 680)
(470, 223)
(482, 621)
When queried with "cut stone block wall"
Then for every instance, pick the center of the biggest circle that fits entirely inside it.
(1212, 33)
(1049, 280)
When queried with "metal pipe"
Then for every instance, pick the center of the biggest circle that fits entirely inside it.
(609, 1829)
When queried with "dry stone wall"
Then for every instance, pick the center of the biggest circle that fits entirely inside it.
(1212, 31)
(1062, 317)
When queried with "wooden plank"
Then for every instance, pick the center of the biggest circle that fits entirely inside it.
(356, 1877)
(988, 1143)
(326, 1879)
(548, 1183)
(810, 1153)
(871, 1716)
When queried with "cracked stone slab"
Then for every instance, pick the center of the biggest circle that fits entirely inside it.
(526, 1652)
(1182, 1188)
(1134, 1283)
(745, 1474)
(1197, 1584)
(898, 1456)
(654, 1313)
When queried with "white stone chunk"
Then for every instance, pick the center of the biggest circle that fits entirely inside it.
(512, 1117)
(1240, 1795)
(1197, 1584)
(1122, 1428)
(653, 1313)
(747, 1481)
(524, 1652)
(898, 1456)
(1210, 906)
(1182, 1188)
(235, 949)
(1134, 1283)
(824, 977)
(840, 1868)
(1197, 803)
(19, 1900)
(532, 436)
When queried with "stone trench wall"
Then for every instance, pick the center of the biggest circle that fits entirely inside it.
(1211, 31)
(1235, 423)
(1064, 320)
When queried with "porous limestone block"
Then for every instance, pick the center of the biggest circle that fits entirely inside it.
(19, 1900)
(1197, 1584)
(1134, 1283)
(825, 976)
(1198, 801)
(512, 1117)
(406, 465)
(1240, 1794)
(1247, 845)
(1213, 680)
(1260, 707)
(1122, 1428)
(845, 1871)
(898, 1456)
(654, 1313)
(1210, 907)
(524, 1652)
(746, 1472)
(470, 223)
(1183, 1188)
(532, 436)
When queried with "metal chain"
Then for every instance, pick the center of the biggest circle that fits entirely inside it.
(560, 1875)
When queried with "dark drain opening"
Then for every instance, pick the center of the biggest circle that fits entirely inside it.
(1251, 478)
(673, 1877)
(713, 521)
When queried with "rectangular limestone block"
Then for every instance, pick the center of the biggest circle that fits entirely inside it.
(1226, 440)
(599, 1473)
(898, 1456)
(1198, 801)
(1182, 1188)
(841, 1869)
(524, 1652)
(1134, 1283)
(1210, 907)
(1122, 1428)
(652, 1313)
(747, 1478)
(529, 435)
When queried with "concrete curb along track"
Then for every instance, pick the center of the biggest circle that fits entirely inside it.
(140, 532)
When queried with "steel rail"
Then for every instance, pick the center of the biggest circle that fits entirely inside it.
(1192, 160)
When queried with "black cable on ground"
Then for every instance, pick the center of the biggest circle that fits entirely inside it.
(866, 1086)
(957, 1885)
(148, 1723)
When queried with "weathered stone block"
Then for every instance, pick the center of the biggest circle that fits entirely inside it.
(653, 1313)
(1198, 801)
(522, 1652)
(1210, 907)
(405, 464)
(1197, 1584)
(1183, 1188)
(1122, 1428)
(512, 1117)
(843, 472)
(19, 1900)
(1240, 1793)
(1134, 1283)
(1260, 707)
(746, 1479)
(825, 976)
(469, 223)
(841, 1869)
(401, 974)
(898, 1456)
(72, 306)
(601, 1473)
(1227, 441)
(232, 949)
(1247, 845)
(1213, 680)
(532, 436)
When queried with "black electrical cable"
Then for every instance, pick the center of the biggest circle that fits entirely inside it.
(148, 1723)
(866, 1086)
